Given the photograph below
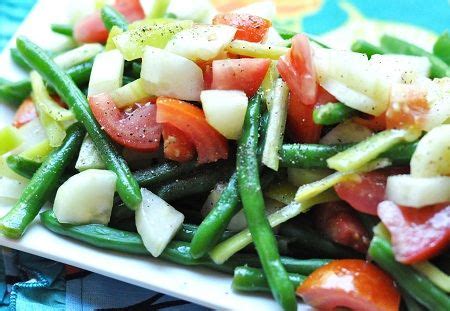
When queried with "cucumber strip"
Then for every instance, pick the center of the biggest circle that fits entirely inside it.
(78, 55)
(256, 50)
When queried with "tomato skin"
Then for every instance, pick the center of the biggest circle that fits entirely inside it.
(177, 145)
(25, 113)
(340, 223)
(350, 283)
(136, 130)
(249, 27)
(300, 123)
(368, 191)
(90, 29)
(206, 67)
(210, 144)
(416, 234)
(244, 74)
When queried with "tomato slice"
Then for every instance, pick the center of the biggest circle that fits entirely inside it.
(249, 27)
(301, 126)
(177, 145)
(244, 74)
(25, 113)
(340, 223)
(366, 193)
(350, 283)
(91, 28)
(210, 144)
(136, 129)
(416, 234)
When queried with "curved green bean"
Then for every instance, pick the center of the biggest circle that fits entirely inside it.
(24, 167)
(18, 59)
(163, 172)
(362, 46)
(127, 186)
(332, 113)
(43, 183)
(111, 17)
(62, 29)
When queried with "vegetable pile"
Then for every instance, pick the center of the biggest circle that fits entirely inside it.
(216, 140)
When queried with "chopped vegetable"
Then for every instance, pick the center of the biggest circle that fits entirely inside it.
(10, 138)
(112, 18)
(257, 50)
(332, 113)
(441, 47)
(37, 152)
(10, 190)
(367, 48)
(250, 28)
(89, 157)
(300, 176)
(157, 222)
(78, 55)
(130, 94)
(345, 133)
(25, 113)
(159, 9)
(107, 73)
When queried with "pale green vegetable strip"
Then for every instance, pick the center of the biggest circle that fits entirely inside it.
(114, 32)
(277, 122)
(38, 152)
(283, 192)
(129, 94)
(78, 55)
(54, 130)
(223, 251)
(9, 139)
(45, 103)
(435, 275)
(132, 43)
(303, 176)
(268, 83)
(362, 153)
(381, 231)
(257, 50)
(159, 9)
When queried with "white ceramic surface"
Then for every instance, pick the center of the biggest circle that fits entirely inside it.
(201, 286)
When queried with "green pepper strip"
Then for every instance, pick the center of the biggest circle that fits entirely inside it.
(127, 186)
(43, 183)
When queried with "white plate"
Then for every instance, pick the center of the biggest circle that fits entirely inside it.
(198, 285)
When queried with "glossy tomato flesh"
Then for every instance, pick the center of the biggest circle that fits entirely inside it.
(350, 283)
(177, 145)
(249, 27)
(25, 113)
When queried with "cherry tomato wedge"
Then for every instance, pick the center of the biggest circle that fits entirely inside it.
(339, 222)
(90, 29)
(366, 193)
(189, 119)
(300, 123)
(350, 283)
(25, 113)
(136, 129)
(244, 74)
(177, 145)
(416, 234)
(249, 27)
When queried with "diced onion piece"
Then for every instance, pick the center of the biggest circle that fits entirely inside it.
(168, 74)
(201, 42)
(412, 191)
(273, 38)
(107, 73)
(275, 128)
(439, 100)
(78, 55)
(114, 32)
(11, 189)
(157, 222)
(225, 111)
(264, 9)
(201, 11)
(32, 133)
(349, 77)
(10, 139)
(432, 155)
(400, 68)
(346, 132)
(129, 94)
(89, 157)
(132, 43)
(256, 50)
(86, 198)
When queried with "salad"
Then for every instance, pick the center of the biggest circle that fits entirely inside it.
(216, 139)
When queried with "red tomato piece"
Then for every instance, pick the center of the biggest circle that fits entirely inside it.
(417, 234)
(91, 28)
(25, 113)
(206, 67)
(323, 97)
(340, 223)
(249, 27)
(244, 74)
(352, 284)
(374, 123)
(210, 144)
(301, 126)
(177, 145)
(365, 194)
(136, 129)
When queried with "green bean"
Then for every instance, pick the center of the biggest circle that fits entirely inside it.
(136, 70)
(111, 17)
(62, 29)
(187, 233)
(332, 113)
(127, 186)
(315, 156)
(409, 303)
(43, 183)
(18, 59)
(367, 48)
(253, 280)
(253, 203)
(163, 172)
(202, 181)
(16, 92)
(442, 47)
(394, 45)
(289, 34)
(24, 167)
(411, 281)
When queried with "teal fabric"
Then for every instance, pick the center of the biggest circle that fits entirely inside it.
(12, 13)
